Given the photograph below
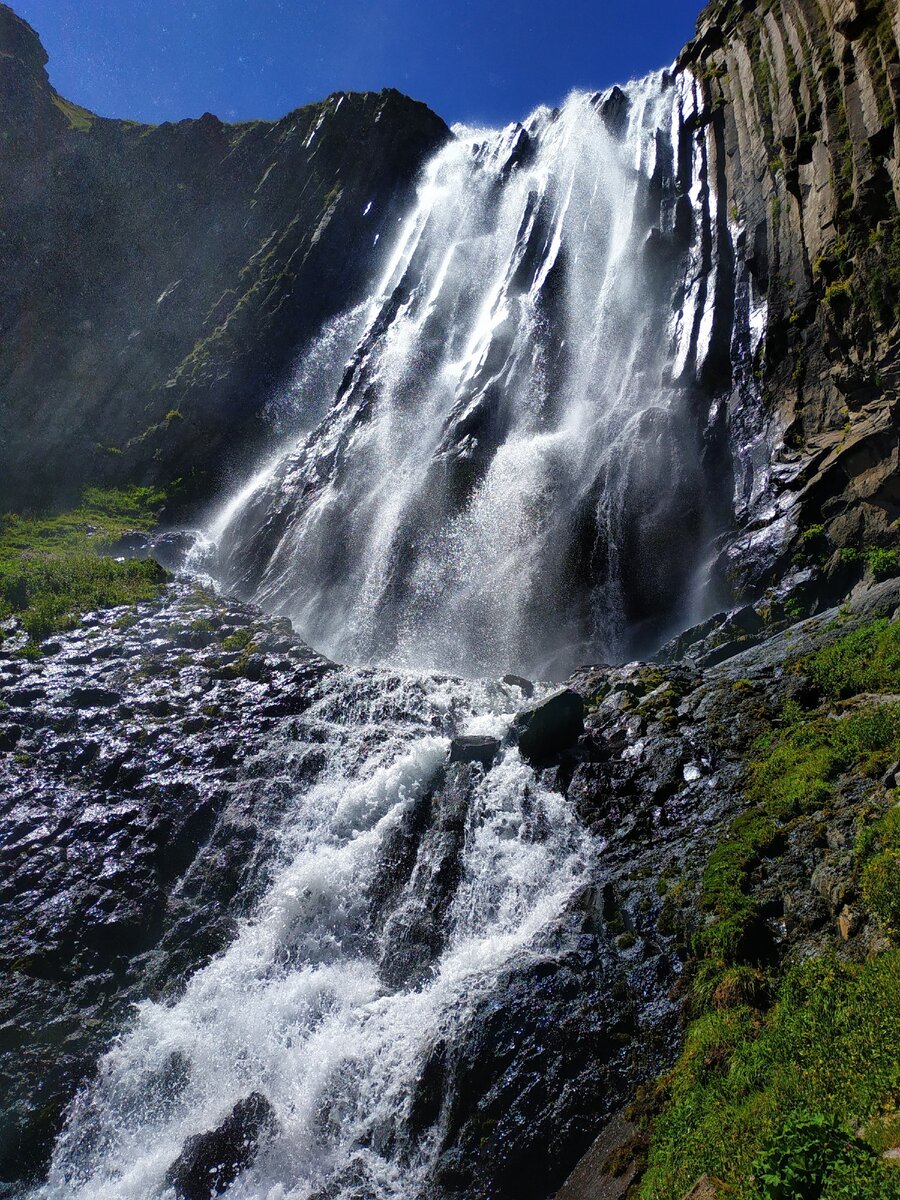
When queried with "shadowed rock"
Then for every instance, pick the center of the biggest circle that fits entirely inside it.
(549, 726)
(474, 748)
(210, 1162)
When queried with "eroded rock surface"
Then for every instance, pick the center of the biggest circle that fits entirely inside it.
(142, 769)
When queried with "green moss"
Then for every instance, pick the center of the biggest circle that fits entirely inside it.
(796, 774)
(866, 660)
(52, 567)
(239, 640)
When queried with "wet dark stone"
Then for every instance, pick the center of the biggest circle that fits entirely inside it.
(552, 725)
(210, 1162)
(93, 697)
(524, 685)
(475, 748)
(130, 545)
(126, 856)
(9, 737)
(613, 111)
(172, 549)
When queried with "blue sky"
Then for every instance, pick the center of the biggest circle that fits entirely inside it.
(475, 60)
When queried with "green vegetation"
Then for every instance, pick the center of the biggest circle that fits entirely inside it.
(53, 569)
(80, 119)
(239, 640)
(788, 1086)
(866, 660)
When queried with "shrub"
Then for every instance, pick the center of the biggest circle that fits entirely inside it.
(883, 563)
(802, 1155)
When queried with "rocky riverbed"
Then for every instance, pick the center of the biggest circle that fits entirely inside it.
(146, 757)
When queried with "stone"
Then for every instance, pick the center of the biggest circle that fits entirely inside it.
(545, 729)
(93, 697)
(171, 549)
(130, 545)
(848, 922)
(525, 685)
(209, 1162)
(708, 1188)
(9, 738)
(475, 748)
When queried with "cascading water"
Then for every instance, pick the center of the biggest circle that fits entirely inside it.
(512, 475)
(319, 1004)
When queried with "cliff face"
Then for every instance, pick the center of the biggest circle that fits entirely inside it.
(801, 131)
(156, 281)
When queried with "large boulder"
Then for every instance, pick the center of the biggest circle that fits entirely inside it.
(209, 1162)
(549, 726)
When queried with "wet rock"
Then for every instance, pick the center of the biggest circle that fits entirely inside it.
(9, 738)
(126, 856)
(210, 1162)
(94, 697)
(550, 726)
(475, 748)
(525, 685)
(130, 545)
(171, 549)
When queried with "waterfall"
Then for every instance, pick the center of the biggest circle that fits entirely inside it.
(317, 1004)
(509, 472)
(512, 473)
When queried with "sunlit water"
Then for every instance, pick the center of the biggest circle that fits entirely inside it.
(509, 473)
(296, 1008)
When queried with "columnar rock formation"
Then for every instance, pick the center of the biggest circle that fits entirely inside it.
(801, 123)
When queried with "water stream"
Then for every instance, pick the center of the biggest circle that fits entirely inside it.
(511, 473)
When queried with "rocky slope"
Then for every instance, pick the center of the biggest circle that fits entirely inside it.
(145, 759)
(156, 282)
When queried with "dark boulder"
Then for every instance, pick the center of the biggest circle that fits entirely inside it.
(525, 685)
(172, 549)
(93, 697)
(130, 545)
(550, 726)
(210, 1162)
(474, 748)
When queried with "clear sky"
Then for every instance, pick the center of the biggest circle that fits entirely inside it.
(489, 61)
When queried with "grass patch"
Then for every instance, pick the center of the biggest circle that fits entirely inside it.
(781, 1070)
(745, 1082)
(80, 119)
(866, 660)
(53, 568)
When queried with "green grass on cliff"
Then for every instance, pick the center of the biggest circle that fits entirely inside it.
(826, 1050)
(53, 568)
(788, 1087)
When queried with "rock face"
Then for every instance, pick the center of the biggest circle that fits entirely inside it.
(157, 281)
(801, 130)
(138, 787)
(211, 1161)
(549, 726)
